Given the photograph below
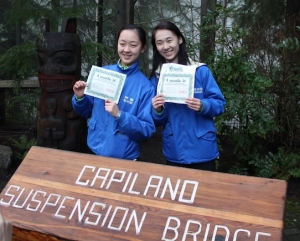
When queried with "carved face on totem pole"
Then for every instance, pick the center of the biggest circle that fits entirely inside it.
(59, 56)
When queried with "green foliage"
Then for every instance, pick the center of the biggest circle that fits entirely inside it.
(292, 208)
(20, 29)
(237, 168)
(283, 165)
(261, 91)
(20, 108)
(256, 64)
(290, 44)
(286, 89)
(263, 13)
(23, 145)
(17, 62)
(90, 55)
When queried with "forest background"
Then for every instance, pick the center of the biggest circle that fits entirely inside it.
(251, 46)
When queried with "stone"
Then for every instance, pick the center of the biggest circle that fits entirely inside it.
(5, 229)
(5, 157)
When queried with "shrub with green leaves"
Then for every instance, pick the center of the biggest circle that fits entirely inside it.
(282, 165)
(23, 145)
(262, 90)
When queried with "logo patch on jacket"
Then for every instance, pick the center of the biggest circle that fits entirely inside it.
(198, 90)
(128, 100)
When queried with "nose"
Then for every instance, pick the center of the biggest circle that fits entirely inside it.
(49, 67)
(165, 45)
(126, 48)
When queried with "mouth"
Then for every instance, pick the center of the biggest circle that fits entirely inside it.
(168, 53)
(49, 83)
(126, 56)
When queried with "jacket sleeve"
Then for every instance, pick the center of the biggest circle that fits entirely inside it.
(141, 126)
(84, 106)
(213, 101)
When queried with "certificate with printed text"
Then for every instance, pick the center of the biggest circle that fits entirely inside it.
(105, 84)
(176, 82)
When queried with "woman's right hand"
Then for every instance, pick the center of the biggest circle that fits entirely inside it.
(78, 88)
(157, 102)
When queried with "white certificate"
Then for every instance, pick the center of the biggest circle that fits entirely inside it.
(105, 84)
(176, 82)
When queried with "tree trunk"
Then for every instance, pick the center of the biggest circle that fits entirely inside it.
(292, 17)
(99, 28)
(209, 40)
(55, 4)
(125, 13)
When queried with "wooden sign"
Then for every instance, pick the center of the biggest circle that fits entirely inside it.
(63, 195)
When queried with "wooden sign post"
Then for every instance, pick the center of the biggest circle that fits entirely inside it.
(64, 195)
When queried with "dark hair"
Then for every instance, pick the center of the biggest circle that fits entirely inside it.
(158, 60)
(140, 31)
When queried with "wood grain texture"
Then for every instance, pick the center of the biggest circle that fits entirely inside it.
(65, 195)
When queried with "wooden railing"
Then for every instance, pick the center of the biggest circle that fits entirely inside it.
(29, 83)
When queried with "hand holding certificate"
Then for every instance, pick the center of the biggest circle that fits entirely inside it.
(105, 84)
(176, 82)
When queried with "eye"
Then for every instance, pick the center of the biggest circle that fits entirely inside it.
(65, 59)
(42, 57)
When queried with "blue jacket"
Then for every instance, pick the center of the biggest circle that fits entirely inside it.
(190, 136)
(119, 137)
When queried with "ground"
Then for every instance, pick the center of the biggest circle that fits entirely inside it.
(152, 148)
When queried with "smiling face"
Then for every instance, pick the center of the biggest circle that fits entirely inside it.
(129, 47)
(167, 44)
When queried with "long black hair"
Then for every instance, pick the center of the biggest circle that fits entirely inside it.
(158, 60)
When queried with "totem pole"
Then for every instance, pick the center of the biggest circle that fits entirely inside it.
(59, 56)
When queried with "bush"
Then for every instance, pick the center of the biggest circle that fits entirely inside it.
(23, 145)
(259, 79)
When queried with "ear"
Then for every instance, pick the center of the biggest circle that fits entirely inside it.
(45, 25)
(143, 49)
(68, 25)
(180, 40)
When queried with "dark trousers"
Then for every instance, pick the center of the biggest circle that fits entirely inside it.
(207, 166)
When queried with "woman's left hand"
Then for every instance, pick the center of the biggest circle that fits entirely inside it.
(194, 103)
(112, 108)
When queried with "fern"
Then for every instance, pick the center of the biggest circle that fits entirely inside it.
(283, 165)
(23, 144)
